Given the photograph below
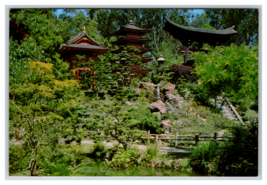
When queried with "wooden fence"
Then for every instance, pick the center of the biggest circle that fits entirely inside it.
(197, 138)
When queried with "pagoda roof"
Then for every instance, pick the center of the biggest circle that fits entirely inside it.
(185, 33)
(131, 27)
(122, 39)
(146, 59)
(83, 42)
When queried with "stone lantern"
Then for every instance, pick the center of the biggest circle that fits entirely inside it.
(161, 61)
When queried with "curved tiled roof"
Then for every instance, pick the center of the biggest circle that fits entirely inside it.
(84, 46)
(131, 26)
(228, 31)
(82, 34)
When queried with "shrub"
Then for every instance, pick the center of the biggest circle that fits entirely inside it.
(240, 156)
(179, 71)
(203, 154)
(125, 158)
(98, 150)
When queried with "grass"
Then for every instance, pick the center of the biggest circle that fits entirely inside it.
(249, 114)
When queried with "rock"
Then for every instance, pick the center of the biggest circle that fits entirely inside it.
(166, 124)
(201, 124)
(168, 164)
(247, 122)
(186, 94)
(129, 103)
(171, 97)
(139, 160)
(158, 106)
(220, 133)
(177, 122)
(137, 90)
(174, 99)
(158, 163)
(146, 85)
(158, 115)
(169, 88)
(176, 164)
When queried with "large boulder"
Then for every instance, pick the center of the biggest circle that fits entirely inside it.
(169, 88)
(158, 106)
(146, 85)
(137, 90)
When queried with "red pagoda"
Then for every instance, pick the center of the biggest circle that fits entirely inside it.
(82, 44)
(132, 35)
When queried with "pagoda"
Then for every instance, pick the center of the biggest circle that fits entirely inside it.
(188, 35)
(81, 44)
(132, 35)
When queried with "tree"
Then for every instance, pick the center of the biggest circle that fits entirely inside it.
(42, 109)
(199, 21)
(117, 124)
(229, 71)
(71, 23)
(35, 37)
(246, 22)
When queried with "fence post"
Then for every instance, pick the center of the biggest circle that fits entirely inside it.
(196, 139)
(176, 137)
(148, 135)
(215, 135)
(157, 142)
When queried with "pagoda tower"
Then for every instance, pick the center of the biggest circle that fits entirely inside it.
(132, 35)
(81, 44)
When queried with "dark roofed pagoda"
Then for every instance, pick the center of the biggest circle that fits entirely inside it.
(132, 35)
(188, 35)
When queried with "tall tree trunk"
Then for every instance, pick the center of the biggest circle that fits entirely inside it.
(33, 168)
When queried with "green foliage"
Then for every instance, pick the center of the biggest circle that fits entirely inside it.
(199, 21)
(185, 164)
(240, 157)
(99, 76)
(250, 114)
(151, 153)
(145, 117)
(59, 161)
(43, 109)
(241, 18)
(203, 154)
(118, 124)
(98, 150)
(18, 157)
(230, 70)
(125, 158)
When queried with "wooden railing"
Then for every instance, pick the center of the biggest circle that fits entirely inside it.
(234, 111)
(197, 138)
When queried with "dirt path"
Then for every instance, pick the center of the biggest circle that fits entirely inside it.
(163, 149)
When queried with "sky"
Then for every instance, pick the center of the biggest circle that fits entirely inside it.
(194, 11)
